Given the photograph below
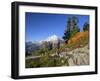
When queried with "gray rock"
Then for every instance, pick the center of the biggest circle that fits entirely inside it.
(78, 56)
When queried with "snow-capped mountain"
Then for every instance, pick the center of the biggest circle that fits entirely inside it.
(33, 46)
(52, 39)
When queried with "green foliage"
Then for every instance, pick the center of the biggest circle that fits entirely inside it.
(71, 29)
(32, 63)
(67, 30)
(50, 47)
(41, 51)
(47, 61)
(38, 52)
(44, 60)
(86, 27)
(74, 21)
(74, 31)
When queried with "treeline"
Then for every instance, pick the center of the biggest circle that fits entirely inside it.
(72, 28)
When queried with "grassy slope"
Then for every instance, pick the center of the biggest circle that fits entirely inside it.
(77, 41)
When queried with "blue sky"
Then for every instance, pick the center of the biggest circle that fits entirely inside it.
(39, 26)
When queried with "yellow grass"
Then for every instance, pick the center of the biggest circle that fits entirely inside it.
(80, 36)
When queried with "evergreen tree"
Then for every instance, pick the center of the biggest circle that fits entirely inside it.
(74, 22)
(74, 25)
(86, 26)
(67, 30)
(72, 28)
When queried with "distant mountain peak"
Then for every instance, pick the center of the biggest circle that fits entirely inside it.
(52, 38)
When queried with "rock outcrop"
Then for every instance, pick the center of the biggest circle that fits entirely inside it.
(79, 56)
